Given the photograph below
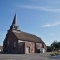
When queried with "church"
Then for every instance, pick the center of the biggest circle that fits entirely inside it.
(17, 41)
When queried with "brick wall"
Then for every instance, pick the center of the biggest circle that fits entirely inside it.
(31, 45)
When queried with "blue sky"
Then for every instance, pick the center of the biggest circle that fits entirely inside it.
(39, 17)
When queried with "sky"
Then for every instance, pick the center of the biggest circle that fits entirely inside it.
(38, 17)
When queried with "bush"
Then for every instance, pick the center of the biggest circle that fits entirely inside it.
(54, 53)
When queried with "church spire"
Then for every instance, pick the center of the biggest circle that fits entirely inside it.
(14, 23)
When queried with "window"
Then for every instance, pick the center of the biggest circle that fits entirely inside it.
(8, 43)
(14, 44)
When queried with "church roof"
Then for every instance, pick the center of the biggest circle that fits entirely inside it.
(23, 35)
(27, 37)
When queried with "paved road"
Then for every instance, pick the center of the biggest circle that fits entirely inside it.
(40, 56)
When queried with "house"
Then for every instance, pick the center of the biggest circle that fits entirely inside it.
(17, 41)
(1, 48)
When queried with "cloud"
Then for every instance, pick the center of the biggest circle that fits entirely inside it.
(52, 34)
(51, 24)
(55, 2)
(40, 8)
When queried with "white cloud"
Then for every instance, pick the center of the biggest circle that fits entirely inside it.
(40, 8)
(51, 24)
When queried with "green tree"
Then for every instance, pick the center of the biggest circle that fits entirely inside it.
(55, 45)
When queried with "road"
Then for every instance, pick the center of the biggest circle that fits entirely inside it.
(39, 56)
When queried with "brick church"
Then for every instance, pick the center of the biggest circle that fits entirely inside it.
(17, 41)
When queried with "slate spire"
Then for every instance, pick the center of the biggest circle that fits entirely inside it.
(14, 23)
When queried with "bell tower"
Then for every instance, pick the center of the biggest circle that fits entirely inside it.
(14, 24)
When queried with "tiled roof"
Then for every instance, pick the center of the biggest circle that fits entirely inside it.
(27, 37)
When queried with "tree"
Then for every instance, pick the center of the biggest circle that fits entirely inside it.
(48, 49)
(55, 45)
(59, 45)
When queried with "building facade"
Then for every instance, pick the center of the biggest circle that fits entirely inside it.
(17, 41)
(1, 49)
